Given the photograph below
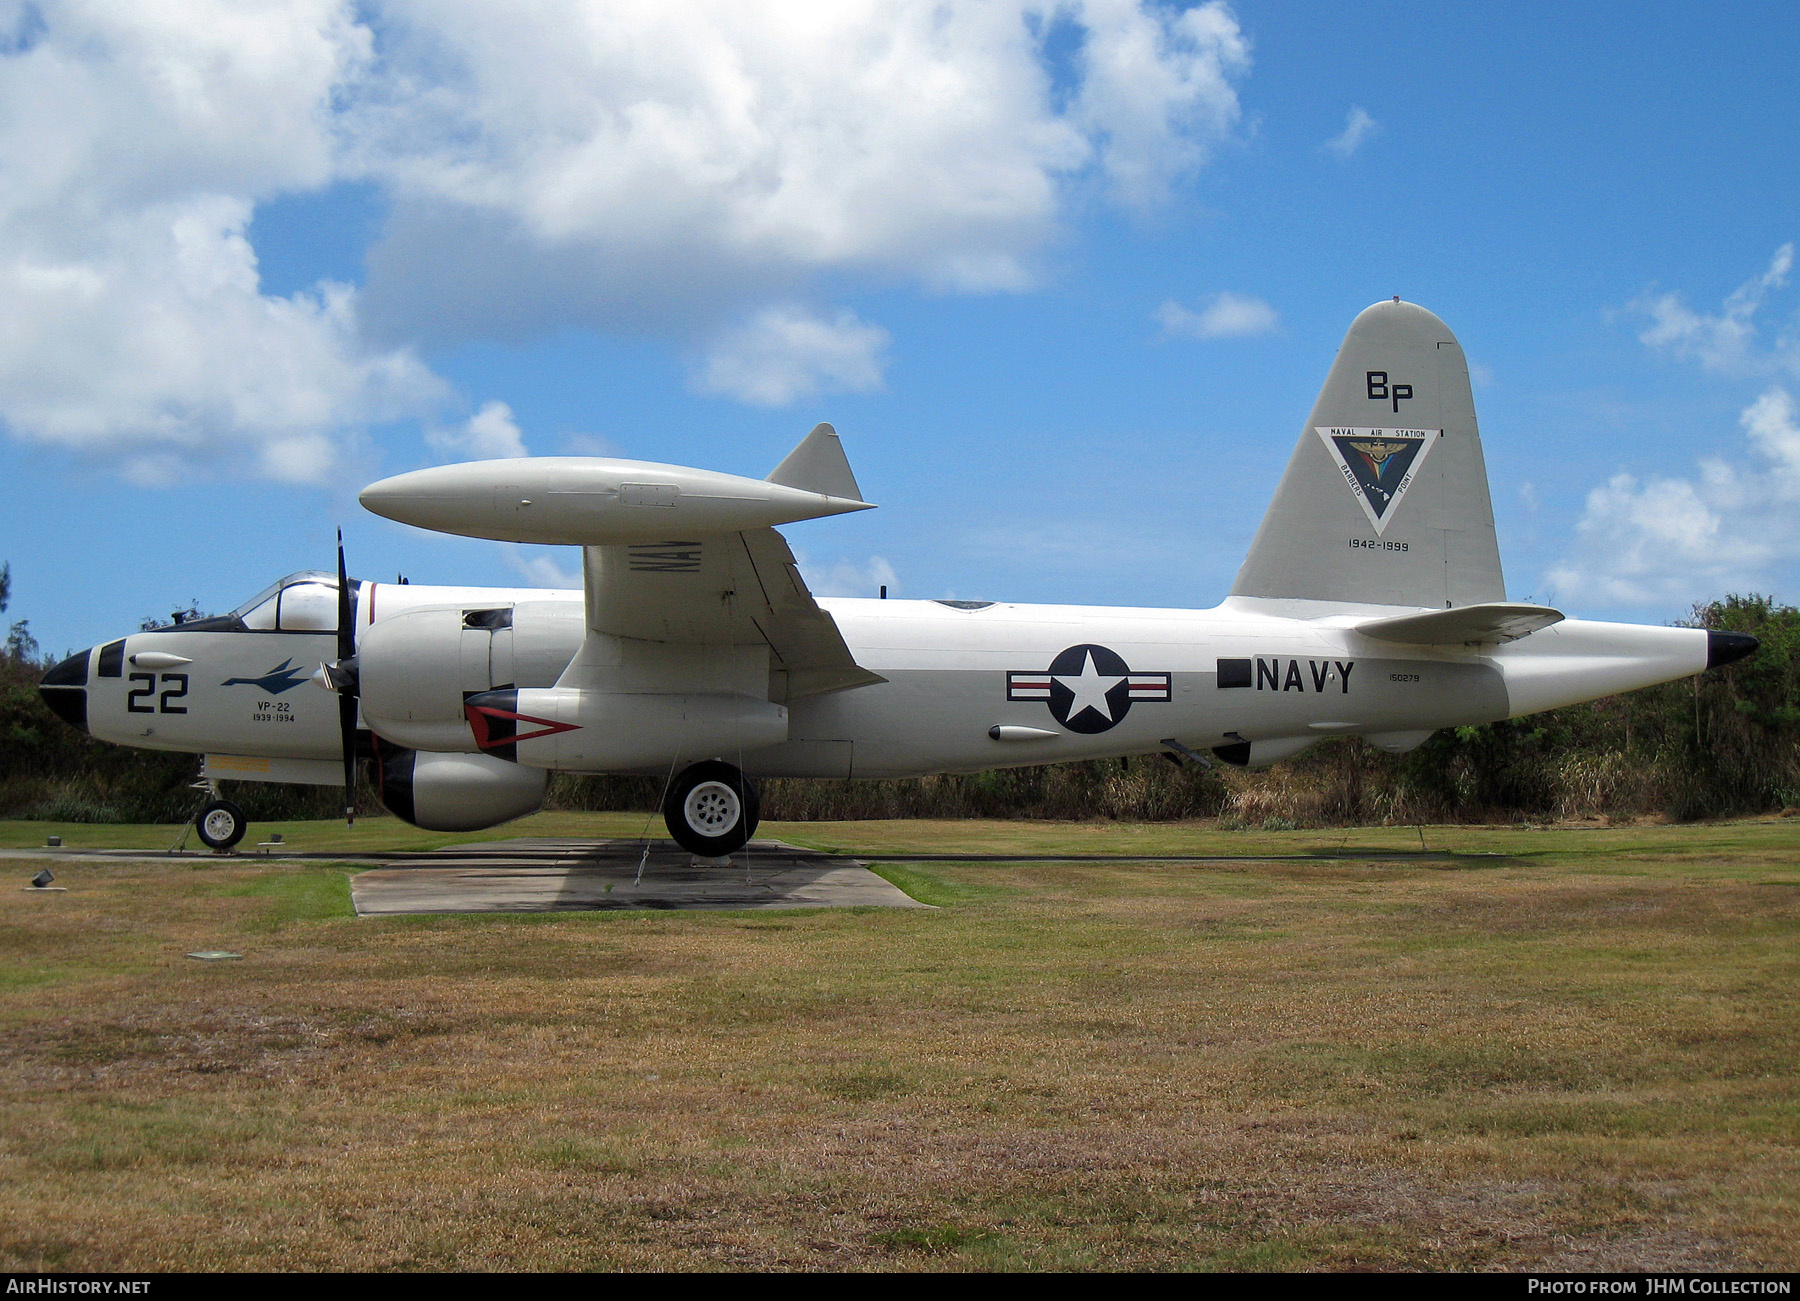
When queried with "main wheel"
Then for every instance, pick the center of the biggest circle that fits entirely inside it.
(712, 809)
(221, 824)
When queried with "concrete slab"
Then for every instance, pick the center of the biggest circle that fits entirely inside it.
(539, 874)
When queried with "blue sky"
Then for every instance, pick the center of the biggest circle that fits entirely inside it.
(963, 264)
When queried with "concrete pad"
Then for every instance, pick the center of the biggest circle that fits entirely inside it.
(539, 874)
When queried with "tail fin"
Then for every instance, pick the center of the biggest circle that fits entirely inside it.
(819, 465)
(1385, 499)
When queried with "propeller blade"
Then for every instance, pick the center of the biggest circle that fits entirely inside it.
(346, 648)
(346, 635)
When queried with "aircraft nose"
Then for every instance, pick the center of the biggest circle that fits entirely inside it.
(1728, 647)
(64, 689)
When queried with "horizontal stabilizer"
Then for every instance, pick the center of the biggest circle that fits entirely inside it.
(818, 465)
(1495, 621)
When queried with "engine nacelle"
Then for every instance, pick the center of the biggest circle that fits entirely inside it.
(455, 792)
(415, 669)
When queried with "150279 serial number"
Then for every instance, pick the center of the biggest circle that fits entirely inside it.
(1376, 544)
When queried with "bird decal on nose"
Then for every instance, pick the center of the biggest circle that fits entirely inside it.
(284, 677)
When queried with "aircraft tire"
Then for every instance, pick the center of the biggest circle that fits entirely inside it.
(712, 809)
(221, 824)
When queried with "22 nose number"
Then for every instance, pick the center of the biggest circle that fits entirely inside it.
(176, 691)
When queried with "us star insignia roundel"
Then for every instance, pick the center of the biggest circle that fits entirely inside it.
(1088, 688)
(1380, 465)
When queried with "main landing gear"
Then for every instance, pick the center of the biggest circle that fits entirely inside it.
(712, 809)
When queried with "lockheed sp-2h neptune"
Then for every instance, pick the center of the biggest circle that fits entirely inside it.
(1371, 604)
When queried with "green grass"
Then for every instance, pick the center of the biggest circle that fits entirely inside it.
(934, 888)
(1715, 846)
(1549, 1049)
(296, 895)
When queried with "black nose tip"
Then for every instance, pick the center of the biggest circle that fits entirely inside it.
(1728, 647)
(64, 689)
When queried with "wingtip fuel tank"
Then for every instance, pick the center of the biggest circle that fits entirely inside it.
(590, 501)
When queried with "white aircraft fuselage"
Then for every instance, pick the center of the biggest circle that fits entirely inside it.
(969, 685)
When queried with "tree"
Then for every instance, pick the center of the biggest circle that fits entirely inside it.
(21, 646)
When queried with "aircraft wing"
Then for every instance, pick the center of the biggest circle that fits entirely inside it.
(671, 555)
(730, 589)
(1490, 622)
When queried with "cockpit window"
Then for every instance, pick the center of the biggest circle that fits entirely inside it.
(258, 612)
(309, 607)
(302, 602)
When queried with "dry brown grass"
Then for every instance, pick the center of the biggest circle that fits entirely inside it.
(1579, 1055)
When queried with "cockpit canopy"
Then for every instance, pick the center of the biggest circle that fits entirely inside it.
(302, 602)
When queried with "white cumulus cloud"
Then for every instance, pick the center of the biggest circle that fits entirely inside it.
(653, 158)
(787, 352)
(585, 444)
(1157, 90)
(1223, 316)
(1734, 523)
(848, 578)
(542, 569)
(1731, 526)
(1358, 127)
(488, 435)
(135, 140)
(1725, 341)
(617, 165)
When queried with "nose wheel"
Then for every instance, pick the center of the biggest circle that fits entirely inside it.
(712, 809)
(220, 825)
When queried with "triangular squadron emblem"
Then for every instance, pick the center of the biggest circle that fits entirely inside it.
(1378, 464)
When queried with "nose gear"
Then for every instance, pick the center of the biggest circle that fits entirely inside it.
(221, 824)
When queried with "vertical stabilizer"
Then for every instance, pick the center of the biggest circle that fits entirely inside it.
(1385, 499)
